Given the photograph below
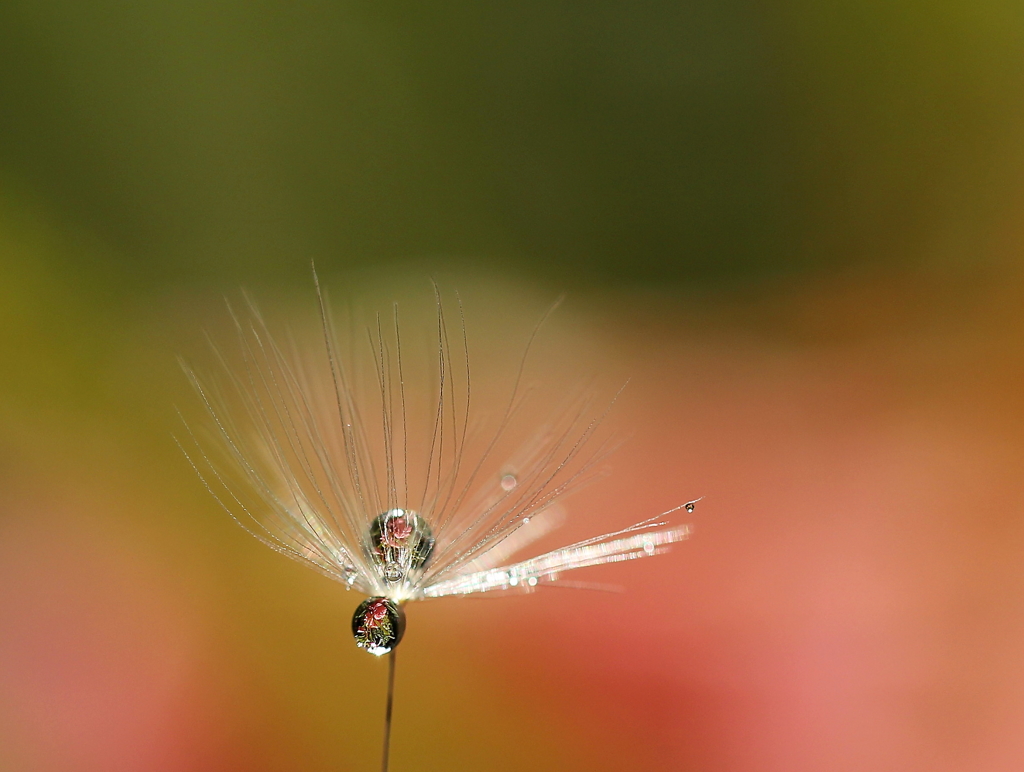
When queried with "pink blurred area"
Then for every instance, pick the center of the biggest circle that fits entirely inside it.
(851, 598)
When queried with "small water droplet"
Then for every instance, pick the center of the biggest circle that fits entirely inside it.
(532, 581)
(649, 547)
(526, 520)
(690, 506)
(508, 482)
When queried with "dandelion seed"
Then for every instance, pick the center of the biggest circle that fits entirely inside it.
(387, 497)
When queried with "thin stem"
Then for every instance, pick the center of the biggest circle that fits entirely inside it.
(387, 711)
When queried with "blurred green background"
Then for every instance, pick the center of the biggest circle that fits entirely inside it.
(654, 142)
(796, 226)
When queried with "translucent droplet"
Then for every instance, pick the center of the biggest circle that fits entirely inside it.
(378, 625)
(690, 506)
(532, 581)
(649, 547)
(400, 543)
(508, 482)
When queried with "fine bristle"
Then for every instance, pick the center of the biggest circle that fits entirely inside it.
(305, 444)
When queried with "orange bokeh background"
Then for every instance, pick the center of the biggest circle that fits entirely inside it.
(850, 599)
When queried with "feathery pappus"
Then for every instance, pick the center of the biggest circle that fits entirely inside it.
(373, 469)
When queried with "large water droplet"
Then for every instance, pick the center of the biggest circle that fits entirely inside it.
(399, 543)
(378, 625)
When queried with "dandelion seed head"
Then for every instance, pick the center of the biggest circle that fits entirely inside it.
(366, 463)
